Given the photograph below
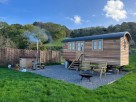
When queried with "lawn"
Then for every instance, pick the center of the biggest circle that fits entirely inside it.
(27, 87)
(56, 43)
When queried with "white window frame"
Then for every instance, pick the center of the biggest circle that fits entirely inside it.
(80, 46)
(97, 46)
(94, 47)
(71, 45)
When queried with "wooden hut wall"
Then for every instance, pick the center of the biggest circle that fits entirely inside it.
(124, 50)
(68, 54)
(109, 54)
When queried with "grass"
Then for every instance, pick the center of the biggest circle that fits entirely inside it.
(56, 43)
(27, 87)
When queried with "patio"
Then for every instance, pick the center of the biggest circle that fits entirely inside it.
(60, 73)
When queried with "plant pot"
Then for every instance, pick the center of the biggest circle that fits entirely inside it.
(17, 69)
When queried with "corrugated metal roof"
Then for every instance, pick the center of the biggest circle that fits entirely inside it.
(101, 36)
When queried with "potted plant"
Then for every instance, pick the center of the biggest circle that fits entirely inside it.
(17, 67)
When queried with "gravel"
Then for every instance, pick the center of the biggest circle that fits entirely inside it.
(59, 72)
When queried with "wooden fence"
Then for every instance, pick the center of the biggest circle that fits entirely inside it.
(12, 56)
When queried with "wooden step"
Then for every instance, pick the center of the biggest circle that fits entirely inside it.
(75, 64)
(73, 68)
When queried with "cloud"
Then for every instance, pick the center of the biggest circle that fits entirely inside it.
(76, 19)
(115, 9)
(134, 13)
(3, 1)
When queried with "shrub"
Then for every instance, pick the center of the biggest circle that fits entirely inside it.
(54, 48)
(52, 63)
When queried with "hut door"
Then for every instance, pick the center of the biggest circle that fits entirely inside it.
(80, 49)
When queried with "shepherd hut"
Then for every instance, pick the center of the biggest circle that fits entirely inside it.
(112, 48)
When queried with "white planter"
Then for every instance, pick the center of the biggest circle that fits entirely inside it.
(66, 64)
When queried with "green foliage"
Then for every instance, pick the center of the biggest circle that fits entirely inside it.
(52, 63)
(125, 26)
(6, 42)
(45, 32)
(37, 33)
(56, 31)
(55, 45)
(33, 46)
(54, 48)
(15, 33)
(49, 33)
(132, 61)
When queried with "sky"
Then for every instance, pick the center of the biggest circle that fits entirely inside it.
(74, 14)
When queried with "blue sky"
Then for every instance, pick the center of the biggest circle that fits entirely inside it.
(71, 13)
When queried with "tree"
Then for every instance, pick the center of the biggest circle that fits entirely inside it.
(36, 34)
(3, 26)
(16, 33)
(125, 26)
(55, 30)
(6, 43)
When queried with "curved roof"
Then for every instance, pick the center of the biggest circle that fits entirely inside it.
(101, 36)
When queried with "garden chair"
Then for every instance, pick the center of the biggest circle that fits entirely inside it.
(101, 69)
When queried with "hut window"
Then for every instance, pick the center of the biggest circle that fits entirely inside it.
(71, 46)
(97, 44)
(100, 44)
(80, 46)
(94, 45)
